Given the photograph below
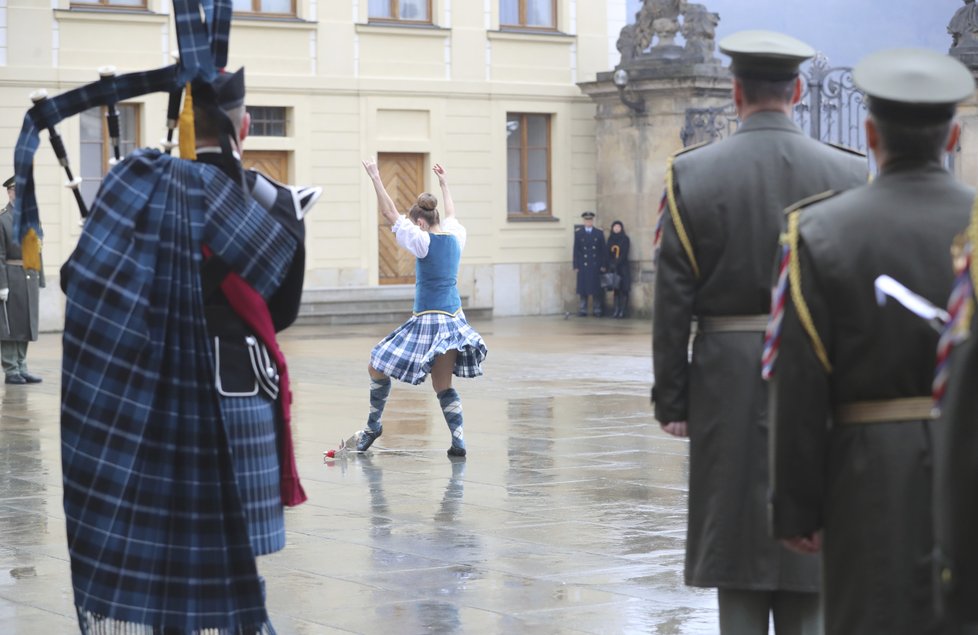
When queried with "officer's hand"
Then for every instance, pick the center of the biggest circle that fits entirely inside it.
(676, 429)
(4, 294)
(804, 544)
(575, 269)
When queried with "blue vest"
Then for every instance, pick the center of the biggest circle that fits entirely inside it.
(436, 290)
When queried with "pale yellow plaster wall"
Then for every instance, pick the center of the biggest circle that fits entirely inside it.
(353, 90)
(398, 52)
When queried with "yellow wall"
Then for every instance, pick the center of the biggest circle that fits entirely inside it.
(354, 90)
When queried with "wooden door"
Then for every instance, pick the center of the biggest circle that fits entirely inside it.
(403, 176)
(272, 163)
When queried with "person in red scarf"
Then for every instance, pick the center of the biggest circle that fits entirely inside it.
(176, 463)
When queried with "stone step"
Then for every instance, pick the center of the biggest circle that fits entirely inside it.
(366, 305)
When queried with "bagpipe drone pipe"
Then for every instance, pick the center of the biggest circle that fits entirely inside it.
(202, 28)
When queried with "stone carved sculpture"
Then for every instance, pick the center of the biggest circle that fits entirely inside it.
(656, 18)
(665, 20)
(700, 31)
(964, 26)
(659, 21)
(628, 44)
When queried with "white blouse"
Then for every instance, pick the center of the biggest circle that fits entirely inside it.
(417, 240)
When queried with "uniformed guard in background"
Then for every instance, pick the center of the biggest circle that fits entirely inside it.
(719, 235)
(956, 464)
(852, 432)
(20, 285)
(590, 259)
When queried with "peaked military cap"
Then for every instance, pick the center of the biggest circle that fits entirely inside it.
(10, 182)
(765, 55)
(915, 86)
(588, 215)
(230, 89)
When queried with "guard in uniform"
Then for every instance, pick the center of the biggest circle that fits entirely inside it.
(590, 259)
(719, 234)
(956, 465)
(852, 432)
(20, 284)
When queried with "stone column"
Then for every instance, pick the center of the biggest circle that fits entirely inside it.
(634, 142)
(963, 29)
(966, 159)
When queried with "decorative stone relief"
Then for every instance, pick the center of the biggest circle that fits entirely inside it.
(700, 31)
(964, 26)
(658, 22)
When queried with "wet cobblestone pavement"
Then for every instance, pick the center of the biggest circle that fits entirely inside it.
(568, 515)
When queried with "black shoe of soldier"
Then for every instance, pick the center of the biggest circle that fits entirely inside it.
(15, 379)
(31, 379)
(456, 451)
(366, 438)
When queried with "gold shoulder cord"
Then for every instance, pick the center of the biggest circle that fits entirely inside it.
(794, 277)
(973, 238)
(678, 221)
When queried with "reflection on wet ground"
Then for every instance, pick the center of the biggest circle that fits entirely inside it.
(568, 515)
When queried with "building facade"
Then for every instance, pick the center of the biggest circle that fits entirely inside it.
(487, 88)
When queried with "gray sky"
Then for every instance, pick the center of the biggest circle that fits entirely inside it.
(845, 30)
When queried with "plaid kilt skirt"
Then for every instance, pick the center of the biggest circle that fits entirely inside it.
(250, 423)
(408, 353)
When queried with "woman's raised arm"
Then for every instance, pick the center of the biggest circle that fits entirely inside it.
(384, 201)
(445, 194)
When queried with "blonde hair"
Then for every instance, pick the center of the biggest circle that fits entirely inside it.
(426, 208)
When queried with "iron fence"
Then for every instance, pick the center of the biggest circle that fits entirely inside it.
(832, 109)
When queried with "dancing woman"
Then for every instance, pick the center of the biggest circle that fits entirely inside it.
(436, 339)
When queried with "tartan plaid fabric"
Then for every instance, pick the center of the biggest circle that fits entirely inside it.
(53, 110)
(250, 423)
(202, 51)
(195, 39)
(220, 29)
(409, 351)
(156, 531)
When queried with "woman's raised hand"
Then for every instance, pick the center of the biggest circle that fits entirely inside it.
(440, 172)
(371, 167)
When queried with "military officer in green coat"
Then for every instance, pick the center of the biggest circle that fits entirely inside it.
(719, 234)
(956, 465)
(19, 290)
(852, 443)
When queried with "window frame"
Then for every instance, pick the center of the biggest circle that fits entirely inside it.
(256, 11)
(285, 121)
(106, 142)
(109, 5)
(395, 6)
(521, 4)
(524, 177)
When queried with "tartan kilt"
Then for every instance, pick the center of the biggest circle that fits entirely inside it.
(250, 423)
(408, 353)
